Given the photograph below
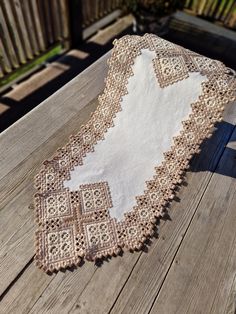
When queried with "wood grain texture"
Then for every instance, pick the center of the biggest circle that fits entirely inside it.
(12, 26)
(202, 276)
(64, 23)
(16, 216)
(21, 26)
(28, 17)
(1, 70)
(46, 16)
(55, 20)
(37, 24)
(28, 146)
(151, 270)
(201, 225)
(130, 271)
(59, 108)
(5, 36)
(4, 60)
(98, 293)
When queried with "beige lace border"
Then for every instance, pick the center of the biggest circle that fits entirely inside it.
(76, 225)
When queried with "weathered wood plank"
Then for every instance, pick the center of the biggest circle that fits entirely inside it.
(10, 19)
(64, 23)
(16, 189)
(96, 9)
(20, 22)
(202, 276)
(23, 147)
(43, 22)
(5, 36)
(55, 13)
(16, 216)
(103, 36)
(59, 108)
(47, 17)
(67, 296)
(101, 23)
(21, 299)
(28, 17)
(106, 283)
(85, 13)
(37, 23)
(144, 283)
(1, 71)
(4, 61)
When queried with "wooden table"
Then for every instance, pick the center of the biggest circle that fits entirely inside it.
(190, 268)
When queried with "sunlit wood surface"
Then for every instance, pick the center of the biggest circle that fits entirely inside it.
(190, 268)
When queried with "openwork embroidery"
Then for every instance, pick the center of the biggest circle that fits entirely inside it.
(74, 225)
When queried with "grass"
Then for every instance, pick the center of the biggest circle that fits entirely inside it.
(20, 72)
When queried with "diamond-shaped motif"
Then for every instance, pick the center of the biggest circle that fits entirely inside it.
(206, 65)
(170, 69)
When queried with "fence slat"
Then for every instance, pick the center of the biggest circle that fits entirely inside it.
(55, 16)
(30, 26)
(64, 22)
(37, 24)
(96, 9)
(91, 11)
(216, 8)
(17, 11)
(43, 21)
(85, 13)
(13, 30)
(5, 35)
(230, 14)
(46, 14)
(76, 22)
(1, 71)
(101, 8)
(4, 61)
(108, 6)
(222, 13)
(229, 8)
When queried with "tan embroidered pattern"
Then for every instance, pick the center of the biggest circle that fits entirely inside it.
(73, 225)
(173, 63)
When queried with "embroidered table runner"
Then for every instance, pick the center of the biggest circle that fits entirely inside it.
(106, 188)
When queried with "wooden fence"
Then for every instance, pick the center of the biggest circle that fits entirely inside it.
(223, 11)
(94, 10)
(33, 30)
(29, 31)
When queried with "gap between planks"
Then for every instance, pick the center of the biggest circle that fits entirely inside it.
(205, 266)
(129, 261)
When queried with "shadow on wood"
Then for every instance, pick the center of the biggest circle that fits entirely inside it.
(220, 128)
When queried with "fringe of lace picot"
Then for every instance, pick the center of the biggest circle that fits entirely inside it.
(76, 225)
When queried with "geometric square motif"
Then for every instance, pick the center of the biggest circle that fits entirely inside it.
(95, 197)
(60, 245)
(99, 235)
(56, 205)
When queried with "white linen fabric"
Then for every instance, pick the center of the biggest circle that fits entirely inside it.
(144, 129)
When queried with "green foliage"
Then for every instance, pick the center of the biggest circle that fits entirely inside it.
(25, 68)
